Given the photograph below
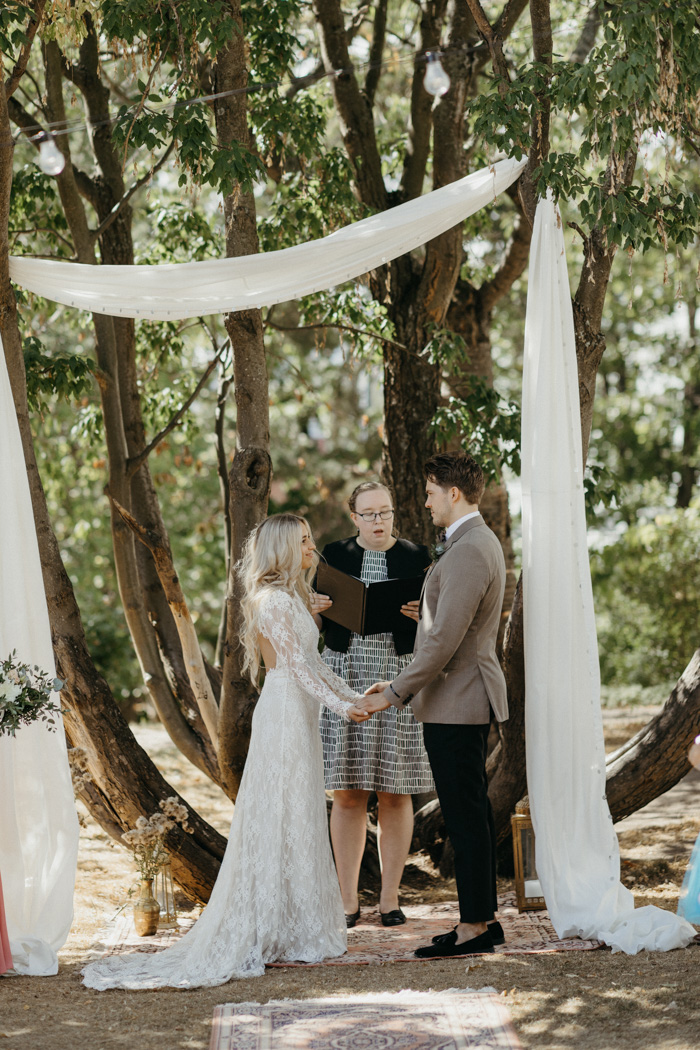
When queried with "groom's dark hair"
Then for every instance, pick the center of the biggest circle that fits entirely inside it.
(458, 469)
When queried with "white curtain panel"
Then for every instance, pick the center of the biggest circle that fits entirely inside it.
(577, 852)
(179, 290)
(38, 821)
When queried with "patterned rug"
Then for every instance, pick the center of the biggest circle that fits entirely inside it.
(453, 1020)
(528, 933)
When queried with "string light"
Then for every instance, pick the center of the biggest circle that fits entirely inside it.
(694, 753)
(51, 160)
(434, 75)
(436, 81)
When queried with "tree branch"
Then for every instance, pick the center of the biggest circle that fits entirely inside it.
(354, 111)
(511, 268)
(376, 51)
(20, 66)
(42, 229)
(338, 327)
(141, 104)
(494, 41)
(191, 652)
(22, 118)
(542, 52)
(134, 188)
(133, 464)
(421, 120)
(589, 32)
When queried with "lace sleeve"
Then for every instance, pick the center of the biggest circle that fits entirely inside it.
(281, 621)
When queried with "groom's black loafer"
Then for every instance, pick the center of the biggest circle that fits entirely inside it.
(494, 928)
(350, 920)
(496, 931)
(447, 946)
(392, 918)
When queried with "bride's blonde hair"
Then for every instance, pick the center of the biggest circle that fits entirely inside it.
(271, 558)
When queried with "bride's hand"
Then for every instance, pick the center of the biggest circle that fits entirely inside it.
(356, 715)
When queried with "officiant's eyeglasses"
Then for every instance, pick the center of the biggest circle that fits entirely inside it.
(372, 515)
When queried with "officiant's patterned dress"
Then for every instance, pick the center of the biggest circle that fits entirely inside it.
(386, 753)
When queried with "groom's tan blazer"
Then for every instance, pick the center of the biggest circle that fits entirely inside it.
(455, 676)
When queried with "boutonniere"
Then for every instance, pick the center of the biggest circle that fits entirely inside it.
(436, 551)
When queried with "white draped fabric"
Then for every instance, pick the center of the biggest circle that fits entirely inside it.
(178, 290)
(38, 822)
(577, 850)
(577, 853)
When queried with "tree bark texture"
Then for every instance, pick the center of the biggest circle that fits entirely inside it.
(416, 293)
(654, 760)
(251, 472)
(148, 616)
(125, 783)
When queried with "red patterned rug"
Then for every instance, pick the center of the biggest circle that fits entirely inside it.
(453, 1020)
(528, 933)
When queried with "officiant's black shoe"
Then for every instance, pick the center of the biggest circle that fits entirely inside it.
(447, 945)
(494, 928)
(350, 920)
(393, 918)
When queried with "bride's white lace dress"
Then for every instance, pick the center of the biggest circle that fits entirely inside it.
(276, 897)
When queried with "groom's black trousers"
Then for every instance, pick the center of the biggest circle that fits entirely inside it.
(457, 756)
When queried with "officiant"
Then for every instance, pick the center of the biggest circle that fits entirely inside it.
(385, 754)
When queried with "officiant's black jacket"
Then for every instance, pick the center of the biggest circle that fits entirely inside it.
(403, 559)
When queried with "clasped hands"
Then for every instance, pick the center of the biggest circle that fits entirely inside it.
(373, 701)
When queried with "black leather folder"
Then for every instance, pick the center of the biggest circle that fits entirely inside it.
(366, 608)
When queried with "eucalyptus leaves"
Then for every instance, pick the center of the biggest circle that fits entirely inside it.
(25, 695)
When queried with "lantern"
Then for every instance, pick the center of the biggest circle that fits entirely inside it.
(165, 895)
(527, 885)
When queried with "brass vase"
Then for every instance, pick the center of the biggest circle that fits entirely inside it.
(146, 910)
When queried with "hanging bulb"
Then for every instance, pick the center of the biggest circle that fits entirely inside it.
(436, 81)
(694, 753)
(51, 160)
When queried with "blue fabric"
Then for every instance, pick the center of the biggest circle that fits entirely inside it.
(689, 902)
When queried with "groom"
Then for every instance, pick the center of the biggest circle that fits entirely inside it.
(455, 686)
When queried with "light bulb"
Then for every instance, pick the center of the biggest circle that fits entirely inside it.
(51, 160)
(436, 81)
(694, 753)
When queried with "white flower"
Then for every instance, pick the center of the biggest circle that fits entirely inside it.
(10, 692)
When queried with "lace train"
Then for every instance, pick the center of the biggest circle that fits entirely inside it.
(276, 897)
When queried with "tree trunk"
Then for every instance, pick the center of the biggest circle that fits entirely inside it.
(691, 413)
(146, 610)
(125, 783)
(251, 473)
(411, 390)
(651, 762)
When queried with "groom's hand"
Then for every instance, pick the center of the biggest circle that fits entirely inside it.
(375, 698)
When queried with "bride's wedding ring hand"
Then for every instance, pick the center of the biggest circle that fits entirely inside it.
(357, 715)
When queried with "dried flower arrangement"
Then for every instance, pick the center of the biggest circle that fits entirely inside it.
(147, 839)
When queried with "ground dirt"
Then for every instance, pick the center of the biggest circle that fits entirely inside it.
(587, 1000)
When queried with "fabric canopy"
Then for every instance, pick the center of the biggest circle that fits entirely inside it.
(38, 822)
(577, 852)
(178, 290)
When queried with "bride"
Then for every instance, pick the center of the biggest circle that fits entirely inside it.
(276, 898)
